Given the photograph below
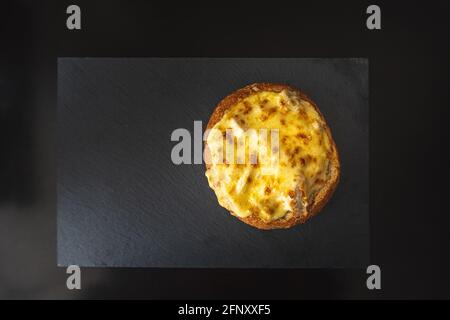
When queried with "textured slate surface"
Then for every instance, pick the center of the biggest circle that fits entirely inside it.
(121, 201)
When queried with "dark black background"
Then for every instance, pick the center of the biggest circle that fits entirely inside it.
(409, 100)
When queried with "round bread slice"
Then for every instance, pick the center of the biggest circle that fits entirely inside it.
(299, 176)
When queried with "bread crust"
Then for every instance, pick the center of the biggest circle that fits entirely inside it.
(322, 197)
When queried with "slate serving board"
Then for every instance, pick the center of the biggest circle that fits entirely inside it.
(122, 202)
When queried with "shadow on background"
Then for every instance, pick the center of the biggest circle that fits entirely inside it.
(17, 111)
(27, 178)
(226, 284)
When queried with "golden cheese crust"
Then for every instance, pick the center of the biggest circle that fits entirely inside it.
(326, 191)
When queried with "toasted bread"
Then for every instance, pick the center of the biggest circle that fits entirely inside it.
(305, 176)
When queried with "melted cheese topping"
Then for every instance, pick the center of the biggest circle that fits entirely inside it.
(269, 156)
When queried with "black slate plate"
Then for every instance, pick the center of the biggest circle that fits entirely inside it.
(122, 202)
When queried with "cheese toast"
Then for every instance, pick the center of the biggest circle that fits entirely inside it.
(301, 165)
